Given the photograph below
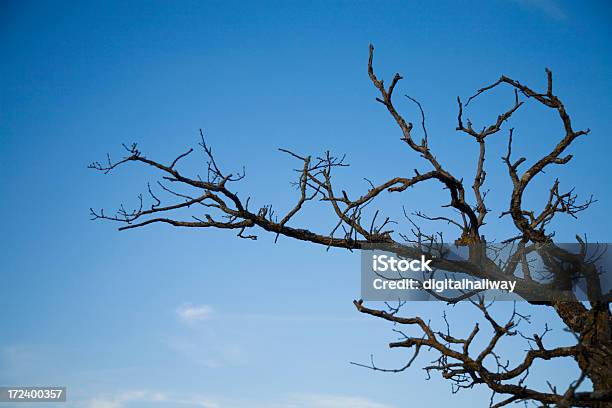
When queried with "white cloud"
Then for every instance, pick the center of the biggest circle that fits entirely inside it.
(124, 400)
(100, 403)
(118, 401)
(297, 400)
(193, 313)
(331, 401)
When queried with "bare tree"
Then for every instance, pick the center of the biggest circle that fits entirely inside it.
(464, 367)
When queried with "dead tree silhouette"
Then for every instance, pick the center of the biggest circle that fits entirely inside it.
(589, 321)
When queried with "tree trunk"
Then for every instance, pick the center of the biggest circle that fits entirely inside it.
(593, 330)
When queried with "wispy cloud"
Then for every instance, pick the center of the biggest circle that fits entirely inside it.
(549, 7)
(301, 400)
(126, 399)
(189, 312)
(194, 313)
(219, 352)
(331, 401)
(123, 399)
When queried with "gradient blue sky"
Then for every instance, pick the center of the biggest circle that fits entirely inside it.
(165, 317)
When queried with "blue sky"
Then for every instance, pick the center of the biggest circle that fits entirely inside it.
(166, 317)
